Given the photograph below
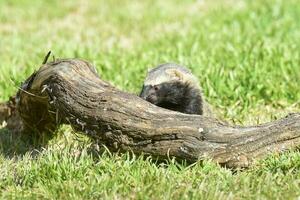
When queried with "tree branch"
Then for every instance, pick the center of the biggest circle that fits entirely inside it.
(70, 91)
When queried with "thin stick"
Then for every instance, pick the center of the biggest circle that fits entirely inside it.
(19, 88)
(46, 58)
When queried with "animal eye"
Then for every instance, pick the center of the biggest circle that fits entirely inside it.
(155, 87)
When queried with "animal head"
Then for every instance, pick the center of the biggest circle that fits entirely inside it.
(167, 83)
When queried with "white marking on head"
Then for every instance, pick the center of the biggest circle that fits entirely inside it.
(164, 76)
(167, 73)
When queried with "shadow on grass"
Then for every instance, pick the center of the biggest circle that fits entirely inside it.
(13, 143)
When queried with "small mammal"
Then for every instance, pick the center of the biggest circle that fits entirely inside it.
(174, 87)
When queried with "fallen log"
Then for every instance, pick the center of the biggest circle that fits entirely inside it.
(70, 92)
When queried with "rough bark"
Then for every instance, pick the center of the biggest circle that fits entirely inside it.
(70, 91)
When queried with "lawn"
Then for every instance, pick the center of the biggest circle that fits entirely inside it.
(246, 55)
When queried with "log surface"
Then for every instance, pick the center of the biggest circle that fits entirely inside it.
(69, 91)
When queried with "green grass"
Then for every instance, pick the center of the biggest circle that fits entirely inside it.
(246, 55)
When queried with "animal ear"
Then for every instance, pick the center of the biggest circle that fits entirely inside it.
(174, 73)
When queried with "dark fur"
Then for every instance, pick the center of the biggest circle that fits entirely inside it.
(175, 96)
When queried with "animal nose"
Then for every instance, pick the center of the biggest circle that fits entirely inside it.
(151, 99)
